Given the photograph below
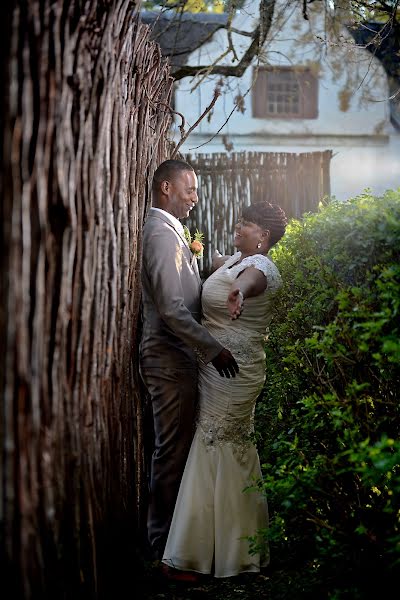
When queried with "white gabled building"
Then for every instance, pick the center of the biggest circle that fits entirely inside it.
(312, 90)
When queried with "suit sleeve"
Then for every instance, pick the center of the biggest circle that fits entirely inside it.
(163, 261)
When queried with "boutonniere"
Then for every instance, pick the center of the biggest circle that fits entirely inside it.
(195, 243)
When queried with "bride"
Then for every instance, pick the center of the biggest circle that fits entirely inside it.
(213, 515)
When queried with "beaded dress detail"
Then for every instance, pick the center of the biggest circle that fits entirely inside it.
(213, 514)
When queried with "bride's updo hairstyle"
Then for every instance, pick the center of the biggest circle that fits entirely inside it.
(269, 217)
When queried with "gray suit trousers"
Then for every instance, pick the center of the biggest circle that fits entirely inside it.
(173, 396)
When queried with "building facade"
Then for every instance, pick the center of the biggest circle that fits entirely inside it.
(312, 89)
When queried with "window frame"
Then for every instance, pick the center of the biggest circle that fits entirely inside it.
(307, 94)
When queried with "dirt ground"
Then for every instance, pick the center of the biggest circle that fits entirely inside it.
(250, 586)
(245, 588)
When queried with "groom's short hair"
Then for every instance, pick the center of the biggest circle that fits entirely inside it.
(168, 170)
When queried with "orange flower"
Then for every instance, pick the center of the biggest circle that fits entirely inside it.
(196, 247)
(195, 244)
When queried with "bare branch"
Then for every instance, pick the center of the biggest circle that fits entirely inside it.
(225, 122)
(175, 112)
(266, 10)
(217, 93)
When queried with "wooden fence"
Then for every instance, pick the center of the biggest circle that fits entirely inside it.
(84, 126)
(297, 182)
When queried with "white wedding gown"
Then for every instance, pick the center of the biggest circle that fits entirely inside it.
(213, 514)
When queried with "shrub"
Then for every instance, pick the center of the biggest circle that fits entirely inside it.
(328, 420)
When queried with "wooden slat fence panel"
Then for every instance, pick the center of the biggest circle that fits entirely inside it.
(297, 182)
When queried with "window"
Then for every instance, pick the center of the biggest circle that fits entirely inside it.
(285, 93)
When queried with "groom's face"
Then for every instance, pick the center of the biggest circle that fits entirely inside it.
(182, 194)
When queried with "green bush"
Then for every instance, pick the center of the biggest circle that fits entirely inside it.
(328, 421)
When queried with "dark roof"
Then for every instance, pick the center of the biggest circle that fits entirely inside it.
(383, 41)
(180, 35)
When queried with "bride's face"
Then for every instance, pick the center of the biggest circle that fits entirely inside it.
(247, 236)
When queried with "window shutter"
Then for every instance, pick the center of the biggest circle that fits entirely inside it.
(309, 94)
(259, 93)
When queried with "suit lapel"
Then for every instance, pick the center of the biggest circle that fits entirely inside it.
(195, 267)
(182, 236)
(159, 215)
(192, 257)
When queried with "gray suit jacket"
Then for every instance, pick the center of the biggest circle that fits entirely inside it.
(171, 299)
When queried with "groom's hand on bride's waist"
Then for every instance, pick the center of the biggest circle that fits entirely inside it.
(225, 364)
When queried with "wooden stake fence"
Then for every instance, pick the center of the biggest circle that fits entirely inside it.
(84, 123)
(297, 182)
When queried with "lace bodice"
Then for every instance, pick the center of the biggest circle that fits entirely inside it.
(244, 336)
(260, 262)
(226, 408)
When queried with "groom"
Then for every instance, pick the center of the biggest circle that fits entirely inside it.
(172, 337)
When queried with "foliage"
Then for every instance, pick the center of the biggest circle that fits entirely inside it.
(370, 10)
(194, 6)
(360, 10)
(328, 421)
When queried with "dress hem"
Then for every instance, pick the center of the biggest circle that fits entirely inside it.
(256, 570)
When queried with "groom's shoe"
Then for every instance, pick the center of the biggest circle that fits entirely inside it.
(177, 575)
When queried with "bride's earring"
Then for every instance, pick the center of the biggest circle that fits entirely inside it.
(259, 245)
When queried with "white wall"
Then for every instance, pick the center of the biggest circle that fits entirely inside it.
(355, 169)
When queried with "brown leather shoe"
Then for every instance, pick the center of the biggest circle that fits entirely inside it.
(177, 575)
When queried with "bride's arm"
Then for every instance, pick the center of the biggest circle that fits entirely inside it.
(217, 261)
(250, 282)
